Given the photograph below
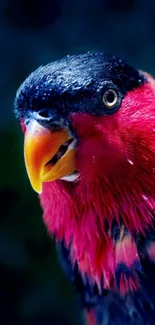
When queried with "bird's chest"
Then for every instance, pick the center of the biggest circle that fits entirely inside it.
(110, 307)
(107, 256)
(107, 263)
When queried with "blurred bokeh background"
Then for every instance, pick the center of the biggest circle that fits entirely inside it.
(33, 288)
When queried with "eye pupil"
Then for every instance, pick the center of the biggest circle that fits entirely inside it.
(110, 98)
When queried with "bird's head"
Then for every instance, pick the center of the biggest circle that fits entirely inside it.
(90, 118)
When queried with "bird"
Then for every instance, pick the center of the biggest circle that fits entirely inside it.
(89, 147)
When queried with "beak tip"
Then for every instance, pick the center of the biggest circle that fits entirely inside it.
(39, 191)
(37, 187)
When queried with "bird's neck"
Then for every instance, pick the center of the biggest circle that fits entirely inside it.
(98, 222)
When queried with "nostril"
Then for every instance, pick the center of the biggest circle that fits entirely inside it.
(45, 113)
(45, 116)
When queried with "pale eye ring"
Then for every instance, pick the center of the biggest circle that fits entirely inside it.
(110, 98)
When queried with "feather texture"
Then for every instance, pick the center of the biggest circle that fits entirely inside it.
(117, 184)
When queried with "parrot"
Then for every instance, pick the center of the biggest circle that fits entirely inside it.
(88, 122)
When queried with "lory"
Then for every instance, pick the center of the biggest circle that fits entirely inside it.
(89, 146)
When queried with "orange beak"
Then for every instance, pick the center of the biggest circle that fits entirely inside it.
(40, 146)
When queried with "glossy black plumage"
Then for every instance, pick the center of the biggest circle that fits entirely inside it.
(79, 87)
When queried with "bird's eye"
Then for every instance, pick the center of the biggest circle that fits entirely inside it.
(110, 98)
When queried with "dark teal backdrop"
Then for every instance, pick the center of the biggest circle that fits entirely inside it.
(33, 289)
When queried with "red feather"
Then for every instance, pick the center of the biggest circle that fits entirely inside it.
(90, 318)
(116, 162)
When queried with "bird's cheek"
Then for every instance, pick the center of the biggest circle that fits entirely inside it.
(98, 157)
(83, 124)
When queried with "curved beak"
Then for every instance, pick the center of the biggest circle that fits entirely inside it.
(49, 155)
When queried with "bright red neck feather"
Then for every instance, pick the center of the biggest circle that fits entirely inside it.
(116, 160)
